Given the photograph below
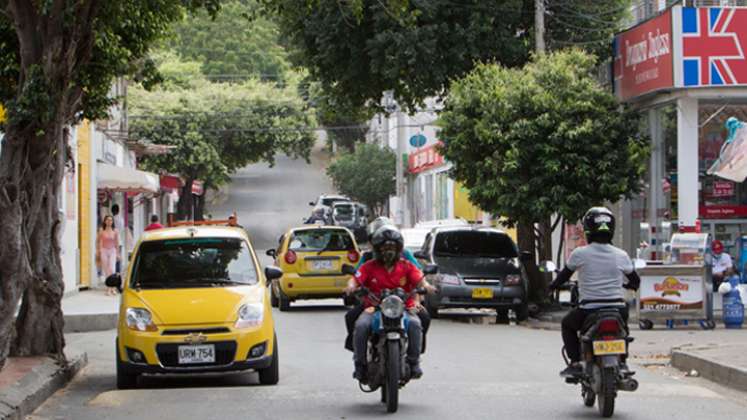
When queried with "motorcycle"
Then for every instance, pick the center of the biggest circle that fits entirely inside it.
(387, 367)
(605, 342)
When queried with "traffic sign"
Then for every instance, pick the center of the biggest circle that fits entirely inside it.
(418, 140)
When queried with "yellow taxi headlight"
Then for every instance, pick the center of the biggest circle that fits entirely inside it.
(139, 319)
(250, 315)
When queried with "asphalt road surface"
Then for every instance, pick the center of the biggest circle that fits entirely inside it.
(472, 370)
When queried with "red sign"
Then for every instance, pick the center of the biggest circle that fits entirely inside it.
(424, 159)
(723, 189)
(723, 212)
(643, 59)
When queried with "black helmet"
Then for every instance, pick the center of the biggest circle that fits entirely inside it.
(387, 234)
(599, 225)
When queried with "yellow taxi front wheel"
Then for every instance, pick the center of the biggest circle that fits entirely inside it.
(271, 374)
(125, 380)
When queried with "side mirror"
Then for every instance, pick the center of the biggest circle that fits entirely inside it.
(311, 203)
(547, 267)
(525, 256)
(420, 255)
(639, 264)
(271, 253)
(348, 269)
(115, 280)
(430, 269)
(272, 273)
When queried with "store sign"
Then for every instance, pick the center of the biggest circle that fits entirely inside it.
(723, 189)
(671, 293)
(711, 41)
(723, 212)
(424, 159)
(643, 58)
(198, 187)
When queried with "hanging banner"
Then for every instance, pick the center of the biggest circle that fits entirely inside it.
(732, 161)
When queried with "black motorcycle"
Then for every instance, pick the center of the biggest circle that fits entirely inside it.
(387, 367)
(604, 340)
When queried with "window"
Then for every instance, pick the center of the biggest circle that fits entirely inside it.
(317, 240)
(194, 262)
(474, 243)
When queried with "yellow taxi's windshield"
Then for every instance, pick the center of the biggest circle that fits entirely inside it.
(193, 262)
(316, 240)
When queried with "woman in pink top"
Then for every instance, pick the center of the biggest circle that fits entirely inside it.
(107, 249)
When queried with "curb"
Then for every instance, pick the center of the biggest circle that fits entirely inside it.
(35, 387)
(78, 323)
(730, 376)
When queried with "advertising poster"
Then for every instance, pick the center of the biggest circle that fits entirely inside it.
(671, 293)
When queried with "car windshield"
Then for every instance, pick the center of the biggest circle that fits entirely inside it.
(331, 200)
(315, 240)
(194, 262)
(344, 212)
(474, 244)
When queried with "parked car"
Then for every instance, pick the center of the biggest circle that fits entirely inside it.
(442, 223)
(312, 258)
(479, 267)
(194, 302)
(415, 237)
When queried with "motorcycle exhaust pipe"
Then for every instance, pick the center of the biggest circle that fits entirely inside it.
(628, 385)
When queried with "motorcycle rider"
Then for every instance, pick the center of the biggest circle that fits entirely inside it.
(387, 271)
(600, 281)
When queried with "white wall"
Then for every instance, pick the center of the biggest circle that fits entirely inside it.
(68, 209)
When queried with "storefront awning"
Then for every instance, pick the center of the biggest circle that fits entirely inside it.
(116, 178)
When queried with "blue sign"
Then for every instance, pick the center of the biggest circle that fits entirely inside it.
(418, 140)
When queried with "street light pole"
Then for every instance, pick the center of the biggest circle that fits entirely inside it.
(539, 25)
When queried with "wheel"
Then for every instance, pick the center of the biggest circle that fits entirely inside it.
(645, 324)
(125, 380)
(606, 398)
(383, 394)
(284, 302)
(391, 383)
(501, 316)
(522, 312)
(271, 374)
(589, 397)
(273, 297)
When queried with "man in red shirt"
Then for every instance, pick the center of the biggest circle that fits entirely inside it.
(388, 271)
(154, 223)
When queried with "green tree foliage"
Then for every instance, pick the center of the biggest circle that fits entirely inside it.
(57, 62)
(217, 128)
(361, 48)
(236, 44)
(366, 175)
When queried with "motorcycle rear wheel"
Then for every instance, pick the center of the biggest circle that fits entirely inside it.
(391, 384)
(606, 398)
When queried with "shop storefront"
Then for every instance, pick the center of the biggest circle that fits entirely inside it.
(686, 70)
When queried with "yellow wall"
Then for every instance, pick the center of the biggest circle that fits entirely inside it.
(84, 200)
(466, 210)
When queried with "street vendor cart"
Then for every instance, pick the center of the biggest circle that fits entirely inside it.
(681, 287)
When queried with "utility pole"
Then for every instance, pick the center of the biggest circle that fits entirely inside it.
(539, 26)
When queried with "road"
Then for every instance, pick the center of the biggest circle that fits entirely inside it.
(472, 370)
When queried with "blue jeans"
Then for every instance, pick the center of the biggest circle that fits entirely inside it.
(363, 329)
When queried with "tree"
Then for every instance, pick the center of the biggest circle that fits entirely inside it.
(237, 44)
(366, 175)
(541, 140)
(360, 48)
(217, 128)
(58, 61)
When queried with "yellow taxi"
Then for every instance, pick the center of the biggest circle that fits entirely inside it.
(311, 258)
(194, 300)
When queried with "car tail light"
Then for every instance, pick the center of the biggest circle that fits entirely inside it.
(608, 326)
(290, 257)
(512, 280)
(353, 256)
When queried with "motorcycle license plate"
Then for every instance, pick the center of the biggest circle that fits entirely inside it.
(196, 354)
(482, 293)
(602, 348)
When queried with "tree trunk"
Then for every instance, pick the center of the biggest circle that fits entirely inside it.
(526, 238)
(200, 207)
(185, 207)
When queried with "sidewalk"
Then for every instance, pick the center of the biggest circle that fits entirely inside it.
(723, 363)
(90, 310)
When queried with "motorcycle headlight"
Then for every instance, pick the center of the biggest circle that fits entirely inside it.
(250, 315)
(393, 307)
(139, 319)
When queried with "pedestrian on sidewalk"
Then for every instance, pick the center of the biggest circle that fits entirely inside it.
(154, 224)
(107, 250)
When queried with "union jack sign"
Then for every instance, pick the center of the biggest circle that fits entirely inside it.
(712, 46)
